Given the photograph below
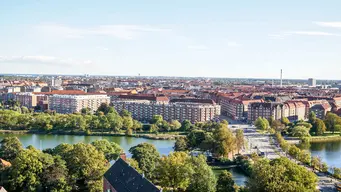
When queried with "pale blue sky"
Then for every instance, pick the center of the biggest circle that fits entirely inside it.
(244, 38)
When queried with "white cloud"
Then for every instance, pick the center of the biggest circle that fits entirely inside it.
(329, 24)
(277, 36)
(233, 44)
(44, 60)
(312, 33)
(197, 47)
(102, 48)
(126, 32)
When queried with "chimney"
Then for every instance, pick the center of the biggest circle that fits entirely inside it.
(123, 156)
(281, 78)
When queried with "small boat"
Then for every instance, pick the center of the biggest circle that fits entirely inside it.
(338, 186)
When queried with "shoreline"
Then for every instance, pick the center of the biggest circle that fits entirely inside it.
(137, 135)
(325, 138)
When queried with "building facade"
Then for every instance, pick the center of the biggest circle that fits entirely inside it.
(75, 103)
(236, 108)
(265, 110)
(312, 82)
(144, 110)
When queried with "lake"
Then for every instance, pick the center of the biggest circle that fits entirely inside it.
(330, 152)
(51, 141)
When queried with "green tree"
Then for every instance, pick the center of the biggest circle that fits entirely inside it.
(271, 120)
(134, 164)
(203, 178)
(10, 147)
(136, 125)
(54, 176)
(175, 125)
(24, 110)
(262, 123)
(195, 138)
(277, 125)
(115, 121)
(111, 150)
(175, 171)
(312, 117)
(304, 124)
(240, 139)
(319, 127)
(156, 119)
(25, 170)
(153, 128)
(224, 122)
(300, 131)
(86, 111)
(332, 122)
(224, 141)
(86, 167)
(294, 151)
(280, 174)
(316, 163)
(147, 156)
(285, 121)
(225, 182)
(128, 122)
(125, 113)
(181, 144)
(104, 107)
(186, 125)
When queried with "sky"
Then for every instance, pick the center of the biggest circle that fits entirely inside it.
(195, 38)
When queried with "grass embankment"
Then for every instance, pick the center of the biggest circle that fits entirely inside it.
(327, 136)
(219, 169)
(315, 139)
(147, 135)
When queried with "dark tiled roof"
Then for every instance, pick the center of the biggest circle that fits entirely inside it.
(124, 178)
(144, 97)
(190, 100)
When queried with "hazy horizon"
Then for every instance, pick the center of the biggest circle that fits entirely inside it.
(216, 39)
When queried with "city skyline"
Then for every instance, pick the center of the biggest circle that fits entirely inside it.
(183, 38)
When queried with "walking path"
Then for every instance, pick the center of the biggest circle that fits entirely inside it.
(267, 144)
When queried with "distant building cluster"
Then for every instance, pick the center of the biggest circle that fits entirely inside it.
(145, 107)
(194, 99)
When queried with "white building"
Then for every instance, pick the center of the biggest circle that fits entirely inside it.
(312, 82)
(75, 103)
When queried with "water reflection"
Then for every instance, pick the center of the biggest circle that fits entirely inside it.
(50, 141)
(330, 152)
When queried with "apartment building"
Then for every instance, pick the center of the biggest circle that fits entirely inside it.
(26, 99)
(235, 107)
(76, 102)
(295, 110)
(320, 108)
(265, 110)
(195, 110)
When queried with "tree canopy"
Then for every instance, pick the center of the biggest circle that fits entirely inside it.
(147, 157)
(279, 174)
(111, 150)
(10, 147)
(262, 123)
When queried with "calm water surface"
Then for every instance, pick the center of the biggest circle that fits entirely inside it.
(51, 141)
(330, 152)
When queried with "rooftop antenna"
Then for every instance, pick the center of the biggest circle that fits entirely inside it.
(281, 78)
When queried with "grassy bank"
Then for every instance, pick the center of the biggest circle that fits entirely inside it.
(315, 139)
(159, 136)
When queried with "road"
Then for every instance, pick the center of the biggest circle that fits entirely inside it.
(267, 144)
